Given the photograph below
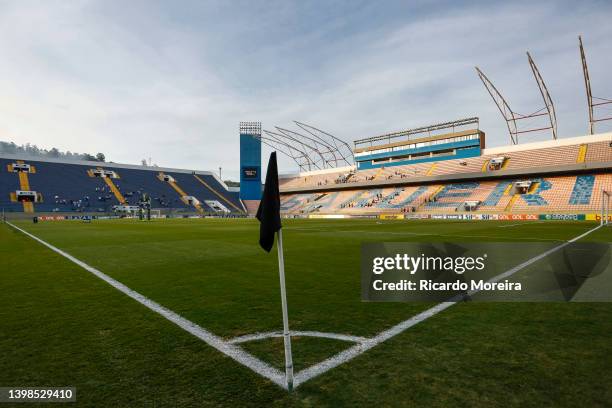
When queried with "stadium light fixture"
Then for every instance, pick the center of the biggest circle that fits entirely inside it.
(592, 101)
(511, 117)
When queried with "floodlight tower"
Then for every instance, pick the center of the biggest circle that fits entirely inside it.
(511, 117)
(592, 101)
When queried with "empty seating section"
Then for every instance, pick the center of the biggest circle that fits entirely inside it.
(451, 196)
(546, 195)
(549, 156)
(599, 152)
(68, 187)
(350, 201)
(552, 156)
(497, 193)
(65, 187)
(498, 197)
(534, 197)
(571, 194)
(366, 199)
(234, 198)
(325, 179)
(388, 196)
(377, 200)
(293, 201)
(583, 190)
(135, 182)
(319, 202)
(9, 183)
(469, 165)
(411, 197)
(192, 186)
(558, 194)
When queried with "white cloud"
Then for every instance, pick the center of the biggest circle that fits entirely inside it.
(146, 79)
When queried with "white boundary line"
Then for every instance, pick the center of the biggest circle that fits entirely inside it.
(421, 234)
(230, 350)
(352, 352)
(265, 370)
(521, 223)
(297, 333)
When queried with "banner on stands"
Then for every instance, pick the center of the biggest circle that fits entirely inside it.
(391, 216)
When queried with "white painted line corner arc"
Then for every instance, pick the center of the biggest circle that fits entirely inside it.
(231, 350)
(352, 352)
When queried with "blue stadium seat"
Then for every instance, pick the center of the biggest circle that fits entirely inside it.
(493, 199)
(9, 183)
(67, 187)
(411, 198)
(326, 200)
(535, 198)
(385, 202)
(364, 200)
(583, 190)
(446, 197)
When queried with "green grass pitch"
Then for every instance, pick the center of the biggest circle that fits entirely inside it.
(62, 326)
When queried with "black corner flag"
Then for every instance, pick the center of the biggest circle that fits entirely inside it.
(268, 215)
(268, 212)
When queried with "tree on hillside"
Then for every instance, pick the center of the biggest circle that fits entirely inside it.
(33, 150)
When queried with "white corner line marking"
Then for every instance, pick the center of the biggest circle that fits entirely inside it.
(520, 224)
(265, 370)
(230, 350)
(297, 333)
(352, 352)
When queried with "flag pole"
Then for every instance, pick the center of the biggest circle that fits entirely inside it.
(286, 335)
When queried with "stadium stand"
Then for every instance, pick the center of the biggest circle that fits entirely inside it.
(569, 151)
(99, 187)
(557, 194)
(542, 177)
(557, 176)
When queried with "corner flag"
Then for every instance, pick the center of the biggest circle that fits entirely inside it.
(268, 212)
(268, 215)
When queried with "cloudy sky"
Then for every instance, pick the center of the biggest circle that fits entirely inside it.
(171, 80)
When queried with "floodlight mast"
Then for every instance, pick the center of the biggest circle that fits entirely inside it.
(548, 103)
(587, 85)
(511, 117)
(590, 98)
(503, 106)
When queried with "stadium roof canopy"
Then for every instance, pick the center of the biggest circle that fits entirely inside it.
(311, 148)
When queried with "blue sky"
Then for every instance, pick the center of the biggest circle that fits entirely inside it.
(171, 80)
